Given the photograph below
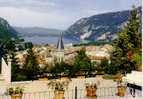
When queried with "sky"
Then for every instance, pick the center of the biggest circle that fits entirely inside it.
(59, 14)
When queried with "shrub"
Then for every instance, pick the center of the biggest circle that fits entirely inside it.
(17, 90)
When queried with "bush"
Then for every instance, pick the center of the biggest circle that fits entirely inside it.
(111, 69)
(20, 77)
(17, 90)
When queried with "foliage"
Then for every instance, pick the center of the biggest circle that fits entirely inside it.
(58, 85)
(97, 43)
(129, 40)
(17, 71)
(9, 47)
(137, 59)
(44, 69)
(104, 64)
(62, 67)
(17, 90)
(15, 68)
(91, 85)
(111, 69)
(28, 45)
(31, 68)
(82, 62)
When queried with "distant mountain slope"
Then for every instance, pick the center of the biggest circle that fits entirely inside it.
(6, 31)
(36, 31)
(99, 27)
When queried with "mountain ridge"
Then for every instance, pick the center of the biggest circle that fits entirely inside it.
(37, 31)
(6, 30)
(99, 27)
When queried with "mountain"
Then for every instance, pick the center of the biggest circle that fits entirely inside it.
(99, 27)
(36, 31)
(6, 31)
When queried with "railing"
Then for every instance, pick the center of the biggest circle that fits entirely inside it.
(102, 93)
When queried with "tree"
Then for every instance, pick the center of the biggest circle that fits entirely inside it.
(104, 64)
(61, 68)
(137, 59)
(16, 70)
(31, 68)
(28, 45)
(82, 62)
(127, 43)
(8, 47)
(133, 30)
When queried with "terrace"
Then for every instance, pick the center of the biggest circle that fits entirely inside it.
(76, 89)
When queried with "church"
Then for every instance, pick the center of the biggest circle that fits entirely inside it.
(59, 53)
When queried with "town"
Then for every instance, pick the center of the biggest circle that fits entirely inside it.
(104, 63)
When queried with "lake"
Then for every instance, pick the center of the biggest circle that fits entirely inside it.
(47, 40)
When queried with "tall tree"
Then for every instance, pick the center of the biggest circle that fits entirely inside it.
(31, 68)
(127, 43)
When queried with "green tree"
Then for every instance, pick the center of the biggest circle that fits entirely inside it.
(8, 46)
(104, 64)
(128, 41)
(82, 62)
(137, 59)
(61, 68)
(16, 70)
(31, 68)
(28, 45)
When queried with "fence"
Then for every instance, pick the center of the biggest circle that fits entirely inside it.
(102, 93)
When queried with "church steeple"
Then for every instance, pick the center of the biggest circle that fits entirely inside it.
(60, 45)
(59, 54)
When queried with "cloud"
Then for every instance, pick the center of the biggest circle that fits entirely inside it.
(57, 13)
(35, 5)
(25, 17)
(23, 3)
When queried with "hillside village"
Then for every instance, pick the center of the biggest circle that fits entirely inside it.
(45, 54)
(67, 53)
(108, 69)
